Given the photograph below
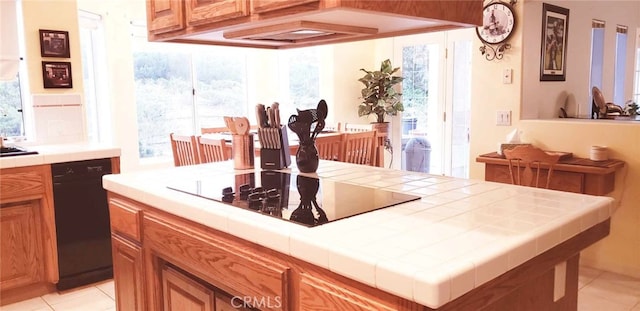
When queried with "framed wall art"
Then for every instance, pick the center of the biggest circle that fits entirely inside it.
(57, 75)
(54, 43)
(555, 30)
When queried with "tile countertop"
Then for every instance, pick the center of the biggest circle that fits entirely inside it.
(48, 154)
(461, 234)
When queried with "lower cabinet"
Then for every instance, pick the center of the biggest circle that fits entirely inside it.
(164, 262)
(129, 279)
(182, 293)
(21, 247)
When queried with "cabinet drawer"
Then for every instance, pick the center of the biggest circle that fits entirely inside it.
(125, 219)
(23, 182)
(317, 293)
(230, 267)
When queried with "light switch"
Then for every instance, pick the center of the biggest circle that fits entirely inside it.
(503, 117)
(507, 76)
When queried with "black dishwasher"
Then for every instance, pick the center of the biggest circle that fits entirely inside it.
(82, 222)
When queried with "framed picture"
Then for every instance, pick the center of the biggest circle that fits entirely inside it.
(57, 75)
(54, 43)
(555, 30)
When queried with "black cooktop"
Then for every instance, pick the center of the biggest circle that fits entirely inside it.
(300, 199)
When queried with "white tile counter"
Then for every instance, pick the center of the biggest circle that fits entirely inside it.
(460, 235)
(48, 154)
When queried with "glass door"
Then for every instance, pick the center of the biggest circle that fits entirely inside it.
(436, 95)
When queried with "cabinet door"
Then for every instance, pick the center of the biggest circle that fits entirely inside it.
(200, 12)
(263, 6)
(128, 281)
(21, 247)
(165, 16)
(225, 302)
(182, 293)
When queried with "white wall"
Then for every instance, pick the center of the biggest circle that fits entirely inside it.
(543, 99)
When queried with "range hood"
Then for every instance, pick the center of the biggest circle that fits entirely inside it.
(318, 22)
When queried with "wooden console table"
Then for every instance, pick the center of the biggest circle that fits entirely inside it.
(573, 174)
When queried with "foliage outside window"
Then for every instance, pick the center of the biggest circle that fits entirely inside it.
(183, 91)
(11, 108)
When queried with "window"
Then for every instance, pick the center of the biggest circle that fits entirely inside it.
(180, 88)
(620, 64)
(636, 95)
(11, 92)
(96, 95)
(11, 108)
(597, 57)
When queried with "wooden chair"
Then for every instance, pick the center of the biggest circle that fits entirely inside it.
(332, 127)
(213, 130)
(213, 150)
(360, 148)
(527, 162)
(185, 150)
(329, 146)
(382, 138)
(350, 127)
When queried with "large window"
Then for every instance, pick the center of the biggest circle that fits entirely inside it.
(182, 88)
(11, 108)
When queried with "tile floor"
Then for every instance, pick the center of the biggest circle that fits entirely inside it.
(598, 290)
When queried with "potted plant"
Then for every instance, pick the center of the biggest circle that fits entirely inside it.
(379, 96)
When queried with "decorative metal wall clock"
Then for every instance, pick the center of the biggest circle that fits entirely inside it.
(498, 24)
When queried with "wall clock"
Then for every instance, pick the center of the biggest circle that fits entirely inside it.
(498, 24)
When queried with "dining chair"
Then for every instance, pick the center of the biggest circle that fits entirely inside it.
(213, 149)
(527, 162)
(185, 150)
(360, 147)
(214, 130)
(329, 146)
(350, 127)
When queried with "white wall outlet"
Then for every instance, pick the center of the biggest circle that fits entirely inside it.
(507, 76)
(503, 118)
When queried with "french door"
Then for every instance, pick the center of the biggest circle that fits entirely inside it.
(434, 133)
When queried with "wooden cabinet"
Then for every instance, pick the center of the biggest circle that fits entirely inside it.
(263, 6)
(573, 174)
(277, 24)
(129, 280)
(165, 16)
(182, 293)
(29, 259)
(21, 247)
(188, 266)
(201, 12)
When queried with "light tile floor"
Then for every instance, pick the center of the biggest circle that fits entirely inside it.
(598, 290)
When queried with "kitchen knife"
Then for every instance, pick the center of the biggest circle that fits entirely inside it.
(272, 117)
(261, 115)
(276, 112)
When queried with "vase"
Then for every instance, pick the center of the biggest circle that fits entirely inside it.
(307, 157)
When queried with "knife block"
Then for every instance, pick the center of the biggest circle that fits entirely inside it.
(276, 158)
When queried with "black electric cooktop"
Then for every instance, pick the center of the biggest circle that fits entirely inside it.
(300, 199)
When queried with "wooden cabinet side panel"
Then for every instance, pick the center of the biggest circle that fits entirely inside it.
(201, 12)
(165, 15)
(21, 246)
(231, 268)
(129, 279)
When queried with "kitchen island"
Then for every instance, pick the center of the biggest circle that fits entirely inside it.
(464, 245)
